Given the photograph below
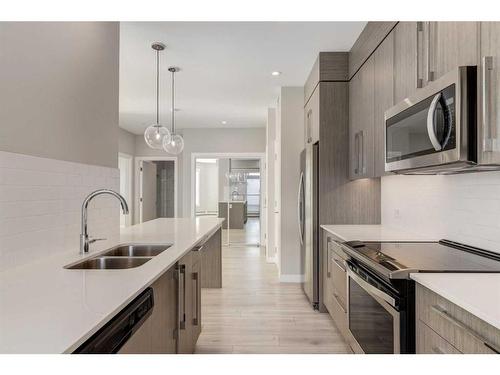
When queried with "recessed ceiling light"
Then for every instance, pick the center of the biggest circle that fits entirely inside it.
(275, 73)
(223, 122)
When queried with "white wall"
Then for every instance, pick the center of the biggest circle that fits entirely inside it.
(59, 90)
(208, 140)
(209, 187)
(290, 136)
(270, 171)
(126, 142)
(462, 208)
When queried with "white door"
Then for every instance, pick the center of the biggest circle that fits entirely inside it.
(148, 190)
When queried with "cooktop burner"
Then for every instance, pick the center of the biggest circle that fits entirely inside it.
(397, 259)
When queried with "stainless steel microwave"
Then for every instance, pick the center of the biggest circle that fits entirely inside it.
(439, 129)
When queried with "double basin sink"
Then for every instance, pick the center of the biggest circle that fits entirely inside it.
(120, 257)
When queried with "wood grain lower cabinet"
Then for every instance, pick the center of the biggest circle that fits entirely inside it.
(185, 304)
(429, 342)
(195, 316)
(164, 315)
(459, 328)
(211, 261)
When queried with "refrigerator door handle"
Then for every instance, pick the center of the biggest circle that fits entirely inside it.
(299, 207)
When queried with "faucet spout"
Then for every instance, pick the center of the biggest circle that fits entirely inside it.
(84, 236)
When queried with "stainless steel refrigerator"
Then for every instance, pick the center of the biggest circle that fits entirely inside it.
(308, 221)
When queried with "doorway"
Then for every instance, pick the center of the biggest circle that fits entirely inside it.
(230, 186)
(156, 186)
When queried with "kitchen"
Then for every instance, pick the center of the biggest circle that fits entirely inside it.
(372, 227)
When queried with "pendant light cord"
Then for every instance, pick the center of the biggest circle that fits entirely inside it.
(173, 102)
(157, 88)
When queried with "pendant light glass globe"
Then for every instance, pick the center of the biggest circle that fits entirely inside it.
(155, 135)
(174, 145)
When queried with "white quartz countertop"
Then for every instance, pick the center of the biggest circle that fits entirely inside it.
(478, 293)
(45, 308)
(373, 233)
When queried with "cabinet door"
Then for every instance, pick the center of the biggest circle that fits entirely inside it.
(211, 258)
(195, 315)
(490, 90)
(384, 98)
(407, 59)
(164, 316)
(311, 113)
(361, 121)
(450, 45)
(185, 306)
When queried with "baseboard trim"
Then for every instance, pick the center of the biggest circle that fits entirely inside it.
(291, 278)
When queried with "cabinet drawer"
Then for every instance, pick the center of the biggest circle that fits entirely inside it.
(338, 273)
(460, 328)
(429, 342)
(339, 315)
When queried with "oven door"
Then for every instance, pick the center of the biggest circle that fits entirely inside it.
(430, 128)
(374, 321)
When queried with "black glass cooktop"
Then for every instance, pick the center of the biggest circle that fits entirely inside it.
(443, 256)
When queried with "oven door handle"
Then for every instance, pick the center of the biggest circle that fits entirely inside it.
(430, 123)
(371, 289)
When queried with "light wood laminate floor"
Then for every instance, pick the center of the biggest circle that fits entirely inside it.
(255, 313)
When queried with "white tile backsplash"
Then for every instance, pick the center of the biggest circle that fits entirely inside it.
(464, 208)
(40, 207)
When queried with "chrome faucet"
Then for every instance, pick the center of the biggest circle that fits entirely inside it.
(85, 240)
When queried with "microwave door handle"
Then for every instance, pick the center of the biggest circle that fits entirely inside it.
(430, 123)
(299, 207)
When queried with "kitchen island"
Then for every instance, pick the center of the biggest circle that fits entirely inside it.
(46, 308)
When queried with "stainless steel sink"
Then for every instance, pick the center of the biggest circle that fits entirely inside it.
(109, 263)
(136, 250)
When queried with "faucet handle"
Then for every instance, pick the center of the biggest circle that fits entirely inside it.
(92, 240)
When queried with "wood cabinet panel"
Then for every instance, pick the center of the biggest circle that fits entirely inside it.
(367, 42)
(195, 315)
(164, 315)
(361, 122)
(185, 305)
(211, 261)
(312, 121)
(429, 342)
(407, 55)
(384, 98)
(452, 44)
(460, 328)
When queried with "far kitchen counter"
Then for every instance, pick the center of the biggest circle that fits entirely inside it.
(373, 233)
(45, 308)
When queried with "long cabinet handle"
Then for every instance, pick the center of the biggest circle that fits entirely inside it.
(337, 299)
(489, 126)
(196, 278)
(446, 315)
(328, 252)
(420, 31)
(430, 73)
(362, 146)
(338, 264)
(182, 305)
(356, 151)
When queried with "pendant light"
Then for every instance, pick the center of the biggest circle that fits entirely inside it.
(156, 134)
(175, 144)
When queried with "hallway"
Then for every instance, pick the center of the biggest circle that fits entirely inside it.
(255, 313)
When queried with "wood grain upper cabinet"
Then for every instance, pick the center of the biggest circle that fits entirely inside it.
(311, 114)
(361, 122)
(448, 45)
(407, 59)
(490, 86)
(384, 98)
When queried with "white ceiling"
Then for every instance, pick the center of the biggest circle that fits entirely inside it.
(225, 68)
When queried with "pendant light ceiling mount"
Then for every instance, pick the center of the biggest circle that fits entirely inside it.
(156, 135)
